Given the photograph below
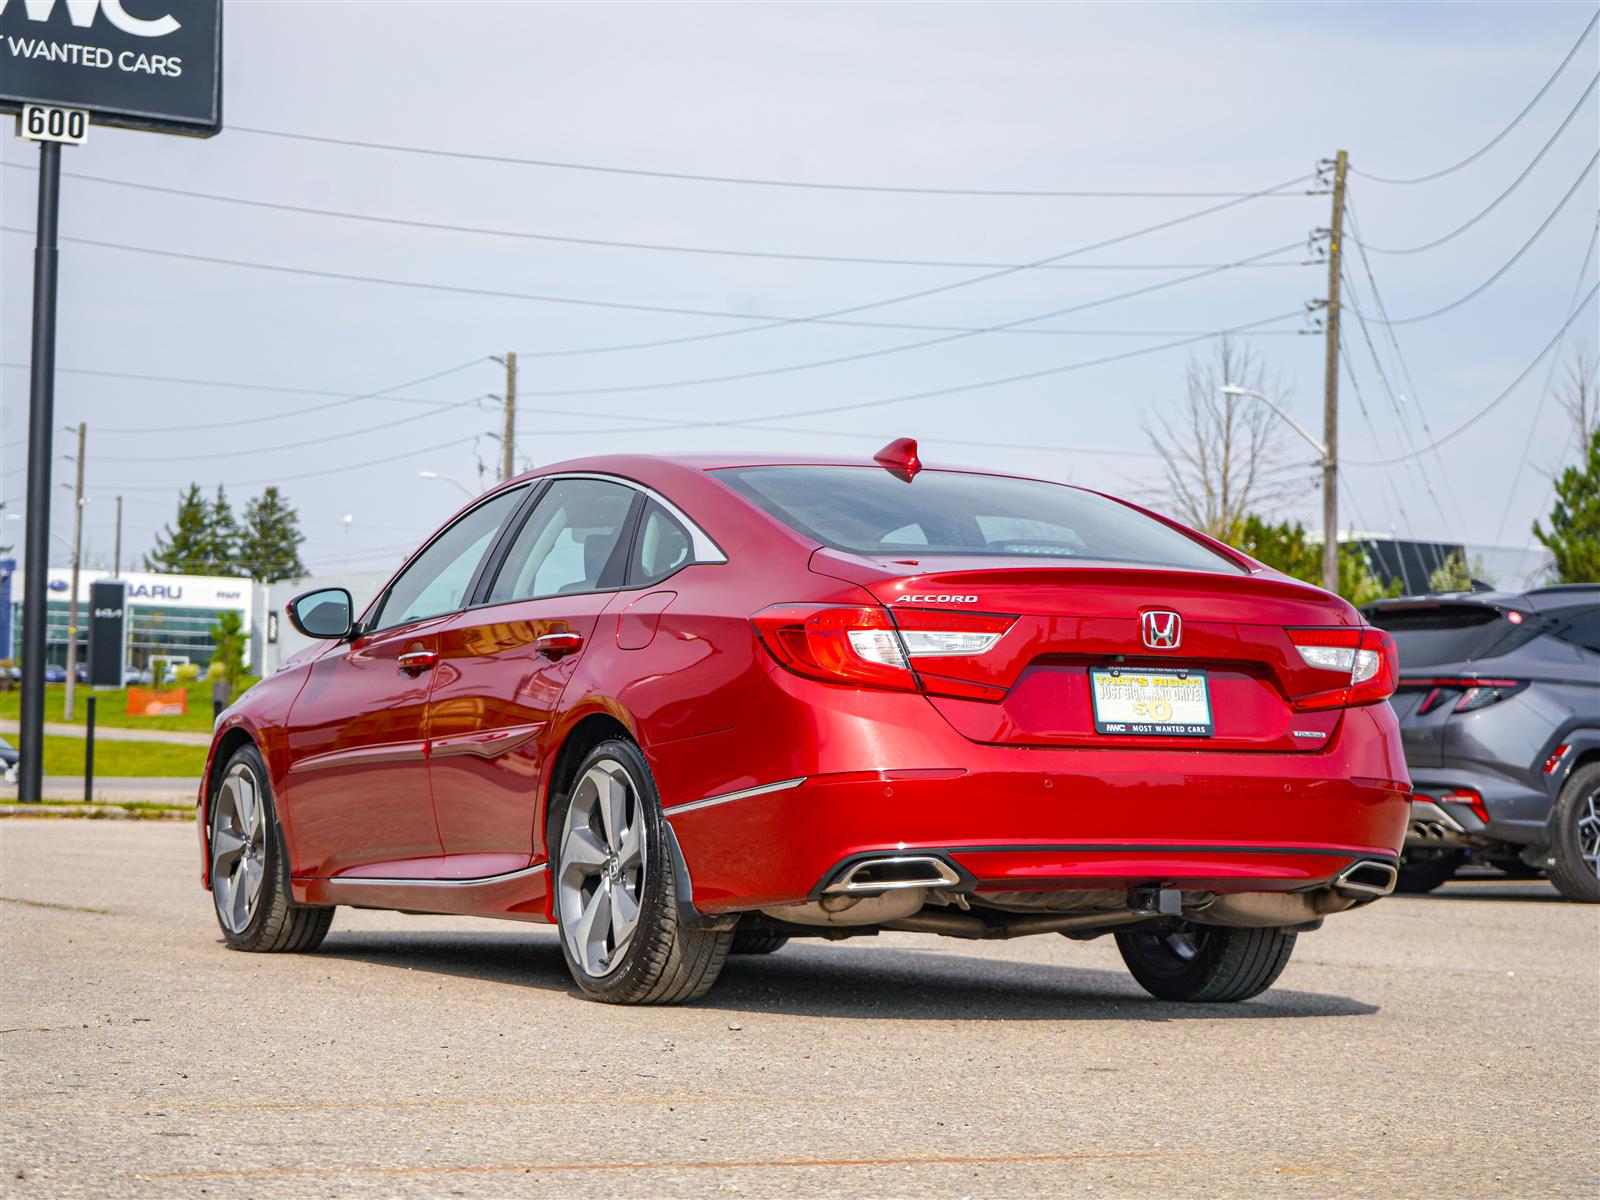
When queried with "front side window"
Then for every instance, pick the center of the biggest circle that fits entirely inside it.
(571, 543)
(436, 582)
(866, 510)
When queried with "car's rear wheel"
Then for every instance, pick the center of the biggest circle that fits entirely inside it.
(616, 892)
(1205, 963)
(1576, 853)
(247, 875)
(755, 941)
(1426, 870)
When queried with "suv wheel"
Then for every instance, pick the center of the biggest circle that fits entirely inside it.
(247, 872)
(1205, 962)
(616, 896)
(1576, 853)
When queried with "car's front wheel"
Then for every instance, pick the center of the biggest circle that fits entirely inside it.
(616, 892)
(247, 876)
(1205, 963)
(1576, 853)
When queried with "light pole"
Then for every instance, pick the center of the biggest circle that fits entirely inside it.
(1330, 485)
(448, 479)
(78, 502)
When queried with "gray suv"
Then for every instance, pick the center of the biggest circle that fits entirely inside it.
(1499, 707)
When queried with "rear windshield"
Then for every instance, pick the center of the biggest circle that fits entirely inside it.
(866, 510)
(1445, 633)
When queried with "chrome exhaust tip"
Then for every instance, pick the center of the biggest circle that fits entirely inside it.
(1367, 878)
(891, 873)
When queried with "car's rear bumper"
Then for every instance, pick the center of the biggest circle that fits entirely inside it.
(1021, 819)
(1508, 811)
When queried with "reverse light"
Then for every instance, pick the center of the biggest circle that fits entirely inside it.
(1365, 656)
(865, 646)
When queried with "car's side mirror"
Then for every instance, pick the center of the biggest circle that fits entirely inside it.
(324, 613)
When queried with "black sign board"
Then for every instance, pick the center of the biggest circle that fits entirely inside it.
(141, 64)
(108, 632)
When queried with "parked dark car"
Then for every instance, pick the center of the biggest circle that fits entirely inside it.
(1499, 707)
(54, 674)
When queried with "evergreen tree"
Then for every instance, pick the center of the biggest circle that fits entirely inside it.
(1284, 547)
(222, 554)
(1573, 538)
(184, 547)
(269, 542)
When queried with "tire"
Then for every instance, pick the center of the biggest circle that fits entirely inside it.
(1576, 852)
(1205, 963)
(607, 835)
(1427, 870)
(754, 941)
(248, 875)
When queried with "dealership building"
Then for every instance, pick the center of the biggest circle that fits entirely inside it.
(169, 616)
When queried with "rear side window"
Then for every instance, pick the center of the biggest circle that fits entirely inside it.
(571, 543)
(661, 547)
(866, 510)
(1444, 633)
(1583, 630)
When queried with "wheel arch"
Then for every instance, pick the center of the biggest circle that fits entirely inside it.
(584, 732)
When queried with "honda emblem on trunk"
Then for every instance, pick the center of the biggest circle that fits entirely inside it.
(1162, 630)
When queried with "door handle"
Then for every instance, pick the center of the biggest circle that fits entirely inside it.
(414, 662)
(555, 645)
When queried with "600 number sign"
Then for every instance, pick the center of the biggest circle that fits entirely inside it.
(47, 123)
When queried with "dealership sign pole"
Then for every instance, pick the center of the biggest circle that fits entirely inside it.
(64, 66)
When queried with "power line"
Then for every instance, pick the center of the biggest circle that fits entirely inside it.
(1005, 327)
(300, 445)
(1515, 121)
(1405, 366)
(1510, 262)
(1487, 408)
(694, 177)
(1495, 203)
(1544, 392)
(371, 462)
(341, 397)
(615, 244)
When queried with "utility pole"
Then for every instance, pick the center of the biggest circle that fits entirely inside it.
(1330, 387)
(116, 562)
(77, 557)
(508, 439)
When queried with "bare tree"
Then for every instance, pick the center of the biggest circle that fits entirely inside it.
(1579, 395)
(1222, 454)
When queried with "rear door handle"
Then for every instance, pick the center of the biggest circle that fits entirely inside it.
(555, 645)
(414, 662)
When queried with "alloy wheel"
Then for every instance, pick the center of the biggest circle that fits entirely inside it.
(602, 859)
(238, 848)
(1589, 830)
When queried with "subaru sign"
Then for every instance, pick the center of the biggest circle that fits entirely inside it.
(141, 64)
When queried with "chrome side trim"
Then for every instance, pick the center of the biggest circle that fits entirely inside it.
(483, 881)
(744, 794)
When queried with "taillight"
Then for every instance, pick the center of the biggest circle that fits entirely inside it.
(841, 644)
(1473, 693)
(865, 646)
(1468, 796)
(1365, 657)
(1556, 755)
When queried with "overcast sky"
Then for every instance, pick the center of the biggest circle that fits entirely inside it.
(1124, 97)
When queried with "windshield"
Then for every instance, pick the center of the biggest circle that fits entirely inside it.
(867, 510)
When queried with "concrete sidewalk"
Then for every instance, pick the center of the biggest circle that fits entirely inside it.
(116, 733)
(114, 789)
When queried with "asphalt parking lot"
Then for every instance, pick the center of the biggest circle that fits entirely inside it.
(1436, 1045)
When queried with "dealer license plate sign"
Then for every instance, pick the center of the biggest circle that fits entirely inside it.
(1150, 703)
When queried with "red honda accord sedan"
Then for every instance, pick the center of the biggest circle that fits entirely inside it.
(688, 706)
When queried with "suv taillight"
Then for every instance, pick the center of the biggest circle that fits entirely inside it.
(1471, 694)
(866, 646)
(1364, 656)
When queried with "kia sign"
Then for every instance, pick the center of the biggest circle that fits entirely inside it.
(108, 632)
(141, 64)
